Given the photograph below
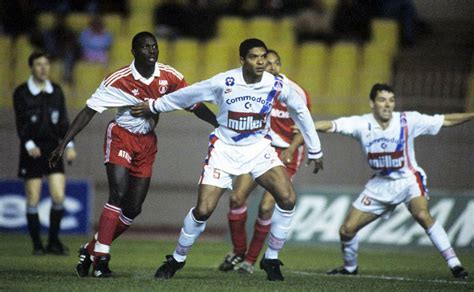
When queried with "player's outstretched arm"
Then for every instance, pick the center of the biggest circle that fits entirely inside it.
(80, 121)
(456, 119)
(324, 126)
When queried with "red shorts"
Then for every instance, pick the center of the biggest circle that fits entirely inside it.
(136, 152)
(298, 157)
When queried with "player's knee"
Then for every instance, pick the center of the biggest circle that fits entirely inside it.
(237, 200)
(347, 231)
(287, 202)
(423, 217)
(265, 211)
(202, 213)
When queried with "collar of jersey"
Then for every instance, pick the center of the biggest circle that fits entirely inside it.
(35, 90)
(138, 76)
(376, 125)
(240, 80)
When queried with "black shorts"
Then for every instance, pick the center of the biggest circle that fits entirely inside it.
(38, 167)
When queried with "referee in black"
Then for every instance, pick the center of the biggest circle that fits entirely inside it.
(41, 119)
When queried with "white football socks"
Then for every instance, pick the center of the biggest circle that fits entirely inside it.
(281, 222)
(440, 240)
(189, 233)
(349, 253)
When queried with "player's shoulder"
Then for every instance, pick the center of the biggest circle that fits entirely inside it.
(169, 72)
(21, 88)
(117, 75)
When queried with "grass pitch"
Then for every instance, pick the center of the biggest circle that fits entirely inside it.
(134, 263)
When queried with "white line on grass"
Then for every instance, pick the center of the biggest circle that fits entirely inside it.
(384, 278)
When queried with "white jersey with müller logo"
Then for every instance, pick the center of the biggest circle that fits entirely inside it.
(244, 109)
(390, 151)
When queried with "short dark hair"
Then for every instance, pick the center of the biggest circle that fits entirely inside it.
(249, 44)
(36, 55)
(379, 87)
(140, 36)
(270, 51)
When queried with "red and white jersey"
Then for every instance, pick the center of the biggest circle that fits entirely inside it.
(281, 122)
(244, 109)
(127, 87)
(390, 151)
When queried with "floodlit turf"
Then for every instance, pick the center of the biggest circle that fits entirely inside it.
(134, 263)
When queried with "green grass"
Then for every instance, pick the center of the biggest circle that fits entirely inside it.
(134, 263)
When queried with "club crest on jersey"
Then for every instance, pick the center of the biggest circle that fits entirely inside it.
(163, 89)
(230, 81)
(278, 85)
(163, 82)
(245, 122)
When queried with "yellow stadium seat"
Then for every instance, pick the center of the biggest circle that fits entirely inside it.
(343, 64)
(285, 31)
(311, 72)
(264, 28)
(46, 20)
(330, 4)
(470, 94)
(165, 55)
(140, 22)
(113, 24)
(385, 34)
(121, 50)
(231, 29)
(87, 78)
(138, 6)
(217, 58)
(6, 90)
(78, 21)
(23, 50)
(186, 58)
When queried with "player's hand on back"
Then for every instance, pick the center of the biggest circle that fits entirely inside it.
(35, 152)
(140, 110)
(286, 156)
(318, 164)
(55, 156)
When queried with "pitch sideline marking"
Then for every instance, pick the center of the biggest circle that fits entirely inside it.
(385, 278)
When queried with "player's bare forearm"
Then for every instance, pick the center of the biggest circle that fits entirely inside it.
(205, 114)
(80, 121)
(456, 119)
(297, 141)
(323, 126)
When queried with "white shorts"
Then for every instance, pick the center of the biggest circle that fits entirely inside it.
(224, 162)
(381, 195)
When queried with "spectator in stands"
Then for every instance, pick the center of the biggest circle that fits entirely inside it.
(405, 12)
(96, 41)
(61, 43)
(314, 23)
(352, 20)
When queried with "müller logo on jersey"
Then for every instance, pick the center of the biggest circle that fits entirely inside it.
(384, 160)
(245, 122)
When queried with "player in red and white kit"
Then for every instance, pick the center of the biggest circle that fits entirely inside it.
(387, 139)
(130, 144)
(290, 149)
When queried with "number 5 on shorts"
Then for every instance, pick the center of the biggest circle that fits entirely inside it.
(216, 173)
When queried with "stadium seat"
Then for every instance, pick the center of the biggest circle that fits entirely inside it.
(78, 21)
(45, 20)
(121, 50)
(23, 49)
(263, 28)
(217, 58)
(139, 22)
(5, 67)
(285, 31)
(186, 58)
(311, 72)
(113, 24)
(343, 64)
(166, 49)
(87, 77)
(231, 29)
(385, 34)
(138, 6)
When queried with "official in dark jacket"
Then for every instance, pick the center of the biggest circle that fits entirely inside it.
(41, 121)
